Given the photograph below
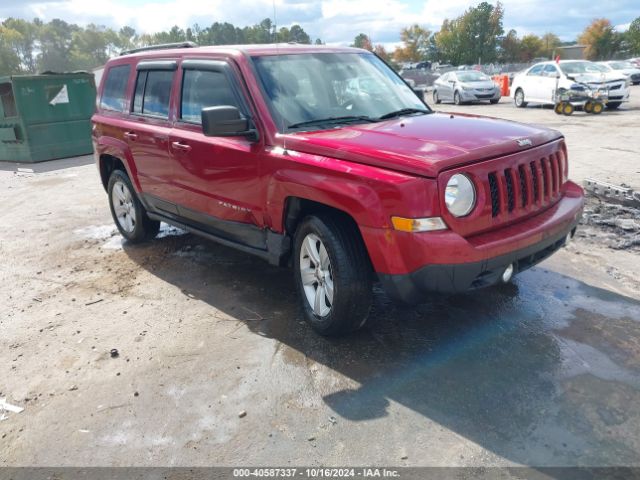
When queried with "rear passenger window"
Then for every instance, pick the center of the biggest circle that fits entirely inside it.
(153, 92)
(204, 88)
(115, 87)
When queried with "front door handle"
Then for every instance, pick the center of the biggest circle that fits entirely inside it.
(131, 135)
(180, 146)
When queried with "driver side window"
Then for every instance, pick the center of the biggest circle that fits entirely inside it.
(201, 89)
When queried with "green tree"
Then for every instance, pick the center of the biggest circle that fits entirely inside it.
(531, 47)
(55, 46)
(92, 46)
(363, 41)
(24, 45)
(550, 43)
(415, 44)
(510, 48)
(633, 37)
(127, 38)
(472, 36)
(601, 40)
(10, 62)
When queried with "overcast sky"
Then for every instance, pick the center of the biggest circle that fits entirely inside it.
(334, 21)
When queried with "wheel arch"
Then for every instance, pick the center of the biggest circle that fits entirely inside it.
(113, 154)
(297, 208)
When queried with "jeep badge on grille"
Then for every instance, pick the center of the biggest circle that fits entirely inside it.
(524, 142)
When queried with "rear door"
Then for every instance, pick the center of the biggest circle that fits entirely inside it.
(148, 133)
(218, 177)
(445, 87)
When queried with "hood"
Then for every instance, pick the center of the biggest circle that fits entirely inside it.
(479, 84)
(423, 144)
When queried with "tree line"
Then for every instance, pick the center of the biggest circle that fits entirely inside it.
(35, 46)
(478, 36)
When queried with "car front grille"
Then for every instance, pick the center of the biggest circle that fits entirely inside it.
(510, 188)
(534, 184)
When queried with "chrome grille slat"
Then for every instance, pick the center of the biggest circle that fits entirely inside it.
(511, 201)
(495, 196)
(523, 185)
(526, 185)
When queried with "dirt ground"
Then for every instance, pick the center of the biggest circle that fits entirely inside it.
(543, 372)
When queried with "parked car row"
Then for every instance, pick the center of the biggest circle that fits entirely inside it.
(539, 83)
(625, 68)
(464, 86)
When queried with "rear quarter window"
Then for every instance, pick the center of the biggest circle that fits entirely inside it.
(115, 89)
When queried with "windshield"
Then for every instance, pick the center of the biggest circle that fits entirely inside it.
(621, 65)
(303, 88)
(573, 68)
(472, 76)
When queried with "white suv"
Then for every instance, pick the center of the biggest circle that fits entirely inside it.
(538, 83)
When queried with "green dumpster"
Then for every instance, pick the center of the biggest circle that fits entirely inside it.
(43, 117)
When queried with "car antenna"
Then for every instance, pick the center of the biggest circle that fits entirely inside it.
(275, 34)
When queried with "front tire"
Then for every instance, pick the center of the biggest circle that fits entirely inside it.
(493, 101)
(436, 97)
(613, 105)
(128, 213)
(456, 98)
(518, 99)
(333, 274)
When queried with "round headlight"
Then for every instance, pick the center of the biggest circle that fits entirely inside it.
(460, 195)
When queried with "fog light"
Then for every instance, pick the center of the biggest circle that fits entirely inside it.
(507, 274)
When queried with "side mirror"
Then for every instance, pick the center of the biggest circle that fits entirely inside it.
(225, 121)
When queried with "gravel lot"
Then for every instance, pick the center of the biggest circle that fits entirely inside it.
(542, 372)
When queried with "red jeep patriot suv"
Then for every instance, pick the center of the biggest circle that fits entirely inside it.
(326, 159)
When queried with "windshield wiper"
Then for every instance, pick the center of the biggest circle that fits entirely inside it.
(403, 111)
(345, 119)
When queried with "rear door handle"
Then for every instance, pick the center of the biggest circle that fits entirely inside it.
(181, 146)
(131, 135)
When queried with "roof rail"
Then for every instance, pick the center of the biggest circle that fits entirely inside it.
(162, 46)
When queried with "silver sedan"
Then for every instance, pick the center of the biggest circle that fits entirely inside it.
(465, 87)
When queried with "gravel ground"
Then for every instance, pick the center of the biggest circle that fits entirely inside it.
(214, 365)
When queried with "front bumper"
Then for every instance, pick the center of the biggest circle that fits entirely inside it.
(410, 264)
(479, 96)
(461, 277)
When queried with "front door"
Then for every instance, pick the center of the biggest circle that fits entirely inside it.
(218, 176)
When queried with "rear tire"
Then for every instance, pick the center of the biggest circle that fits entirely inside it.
(568, 109)
(128, 213)
(333, 274)
(518, 98)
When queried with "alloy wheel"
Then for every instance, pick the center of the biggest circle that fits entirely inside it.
(123, 206)
(316, 275)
